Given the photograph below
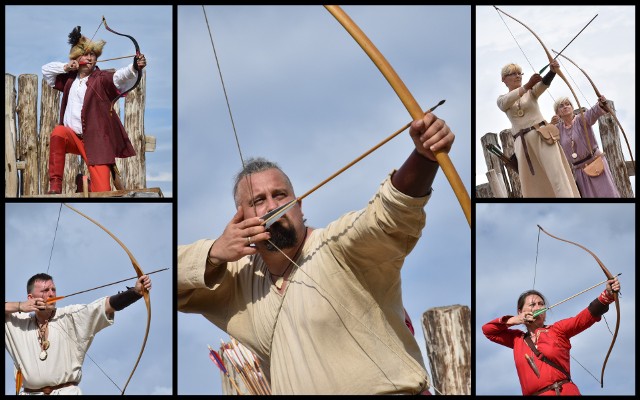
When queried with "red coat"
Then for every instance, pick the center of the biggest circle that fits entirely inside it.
(103, 133)
(553, 342)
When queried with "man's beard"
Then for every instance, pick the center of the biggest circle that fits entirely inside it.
(281, 237)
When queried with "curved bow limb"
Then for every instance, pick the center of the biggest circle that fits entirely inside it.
(407, 99)
(606, 107)
(135, 60)
(558, 72)
(615, 295)
(145, 294)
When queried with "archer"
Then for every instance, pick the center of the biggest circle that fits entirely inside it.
(314, 304)
(88, 125)
(542, 352)
(60, 337)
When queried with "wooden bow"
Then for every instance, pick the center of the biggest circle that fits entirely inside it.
(407, 99)
(615, 295)
(145, 294)
(605, 106)
(558, 72)
(135, 63)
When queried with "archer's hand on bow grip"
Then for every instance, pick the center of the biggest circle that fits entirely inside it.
(430, 135)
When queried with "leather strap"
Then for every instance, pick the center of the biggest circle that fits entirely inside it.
(557, 386)
(542, 357)
(48, 389)
(524, 143)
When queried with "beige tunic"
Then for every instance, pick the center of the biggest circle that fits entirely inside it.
(339, 327)
(553, 177)
(71, 332)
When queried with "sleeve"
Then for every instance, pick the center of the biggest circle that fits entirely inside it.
(51, 71)
(505, 101)
(125, 78)
(199, 283)
(381, 235)
(498, 332)
(592, 114)
(572, 326)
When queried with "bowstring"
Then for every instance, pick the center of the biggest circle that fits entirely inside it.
(62, 329)
(603, 316)
(54, 238)
(226, 98)
(523, 53)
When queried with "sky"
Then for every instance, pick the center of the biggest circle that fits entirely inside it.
(507, 246)
(304, 94)
(38, 35)
(605, 50)
(83, 256)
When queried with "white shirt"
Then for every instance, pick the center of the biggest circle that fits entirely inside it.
(71, 332)
(124, 78)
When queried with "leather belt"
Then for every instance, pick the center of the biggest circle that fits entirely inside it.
(587, 158)
(522, 132)
(554, 386)
(48, 389)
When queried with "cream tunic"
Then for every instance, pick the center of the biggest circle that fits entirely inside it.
(71, 332)
(553, 176)
(339, 327)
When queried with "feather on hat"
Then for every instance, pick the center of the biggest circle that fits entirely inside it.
(81, 45)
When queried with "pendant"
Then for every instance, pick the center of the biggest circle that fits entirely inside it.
(574, 155)
(279, 282)
(43, 355)
(45, 345)
(520, 113)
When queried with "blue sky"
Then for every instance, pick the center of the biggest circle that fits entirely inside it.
(305, 95)
(36, 35)
(84, 256)
(606, 50)
(507, 246)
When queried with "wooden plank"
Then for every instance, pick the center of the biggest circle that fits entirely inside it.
(131, 193)
(10, 161)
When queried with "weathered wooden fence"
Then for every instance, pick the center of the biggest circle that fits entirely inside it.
(27, 139)
(504, 182)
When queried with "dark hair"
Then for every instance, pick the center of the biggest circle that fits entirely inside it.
(524, 295)
(37, 277)
(253, 166)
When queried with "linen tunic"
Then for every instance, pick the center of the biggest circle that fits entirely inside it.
(589, 186)
(71, 332)
(339, 326)
(553, 176)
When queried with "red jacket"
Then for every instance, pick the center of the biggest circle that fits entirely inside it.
(553, 342)
(103, 133)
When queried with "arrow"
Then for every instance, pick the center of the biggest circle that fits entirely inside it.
(543, 310)
(274, 215)
(54, 299)
(574, 38)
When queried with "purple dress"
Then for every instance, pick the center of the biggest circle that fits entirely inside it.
(574, 142)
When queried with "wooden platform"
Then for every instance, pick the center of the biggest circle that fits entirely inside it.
(132, 193)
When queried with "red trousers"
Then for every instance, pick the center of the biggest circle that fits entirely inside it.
(64, 140)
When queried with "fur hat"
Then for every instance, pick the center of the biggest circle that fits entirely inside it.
(81, 45)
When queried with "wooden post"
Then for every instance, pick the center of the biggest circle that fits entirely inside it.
(28, 137)
(611, 146)
(447, 331)
(133, 169)
(496, 181)
(10, 129)
(506, 138)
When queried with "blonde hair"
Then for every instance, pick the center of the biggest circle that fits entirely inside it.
(559, 102)
(510, 69)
